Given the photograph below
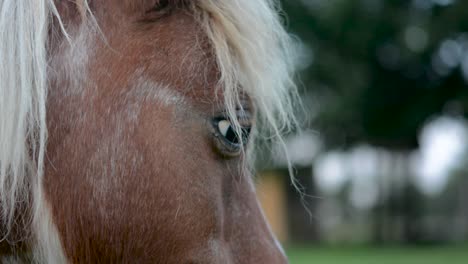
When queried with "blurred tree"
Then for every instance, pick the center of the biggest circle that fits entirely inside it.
(379, 69)
(374, 71)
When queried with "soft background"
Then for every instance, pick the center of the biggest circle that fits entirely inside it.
(383, 159)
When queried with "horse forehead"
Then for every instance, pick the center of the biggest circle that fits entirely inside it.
(183, 71)
(146, 89)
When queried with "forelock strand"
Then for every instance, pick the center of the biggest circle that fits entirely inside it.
(257, 56)
(24, 27)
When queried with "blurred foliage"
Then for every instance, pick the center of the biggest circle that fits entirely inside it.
(380, 69)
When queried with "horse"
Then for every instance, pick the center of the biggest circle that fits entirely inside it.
(128, 129)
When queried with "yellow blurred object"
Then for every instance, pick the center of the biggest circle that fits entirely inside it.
(272, 196)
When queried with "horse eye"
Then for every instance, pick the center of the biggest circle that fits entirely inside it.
(230, 136)
(226, 130)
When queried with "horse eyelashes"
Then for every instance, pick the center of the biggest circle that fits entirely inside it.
(160, 6)
(164, 5)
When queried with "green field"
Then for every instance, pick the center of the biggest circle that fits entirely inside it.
(376, 255)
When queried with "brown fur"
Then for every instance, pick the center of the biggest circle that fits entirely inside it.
(134, 180)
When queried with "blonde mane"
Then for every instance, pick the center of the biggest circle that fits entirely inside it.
(254, 55)
(23, 90)
(24, 28)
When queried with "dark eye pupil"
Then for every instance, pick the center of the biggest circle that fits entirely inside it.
(233, 137)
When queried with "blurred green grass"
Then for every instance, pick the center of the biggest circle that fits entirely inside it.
(378, 255)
